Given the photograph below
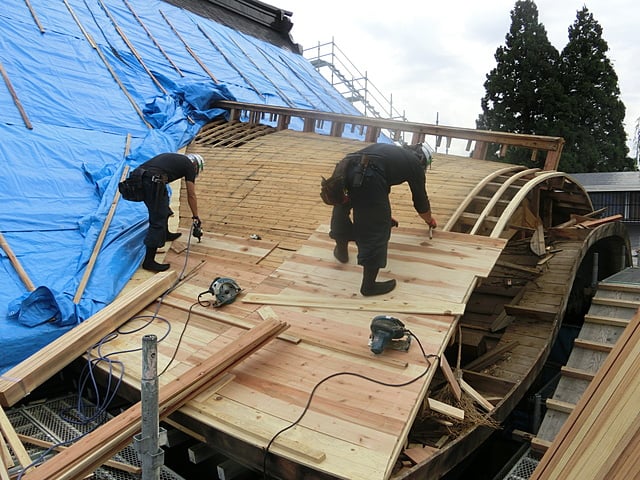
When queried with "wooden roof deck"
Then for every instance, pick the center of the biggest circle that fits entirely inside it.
(354, 428)
(266, 227)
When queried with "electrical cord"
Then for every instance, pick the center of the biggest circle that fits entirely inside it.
(87, 376)
(337, 374)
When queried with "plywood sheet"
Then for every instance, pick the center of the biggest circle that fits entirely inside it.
(358, 416)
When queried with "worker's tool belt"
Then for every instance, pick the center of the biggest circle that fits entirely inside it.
(131, 189)
(358, 177)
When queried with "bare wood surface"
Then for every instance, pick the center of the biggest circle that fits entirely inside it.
(595, 439)
(94, 449)
(19, 381)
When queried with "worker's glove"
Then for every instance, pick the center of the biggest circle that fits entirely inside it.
(196, 222)
(394, 222)
(432, 223)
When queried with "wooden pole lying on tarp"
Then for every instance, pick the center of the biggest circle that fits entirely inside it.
(99, 242)
(103, 233)
(84, 456)
(16, 264)
(16, 100)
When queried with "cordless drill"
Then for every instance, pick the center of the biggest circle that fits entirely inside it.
(196, 228)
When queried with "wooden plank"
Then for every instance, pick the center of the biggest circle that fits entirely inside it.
(616, 302)
(595, 346)
(103, 233)
(16, 264)
(491, 356)
(19, 381)
(5, 454)
(420, 454)
(13, 440)
(451, 378)
(479, 399)
(531, 311)
(604, 423)
(430, 307)
(445, 409)
(576, 373)
(559, 405)
(94, 449)
(609, 321)
(123, 467)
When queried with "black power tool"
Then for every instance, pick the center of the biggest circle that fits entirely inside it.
(196, 229)
(388, 332)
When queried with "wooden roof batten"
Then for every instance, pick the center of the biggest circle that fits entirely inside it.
(373, 126)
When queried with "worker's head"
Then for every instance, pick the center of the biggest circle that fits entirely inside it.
(197, 161)
(423, 151)
(332, 190)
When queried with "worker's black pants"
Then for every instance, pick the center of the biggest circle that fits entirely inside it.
(156, 198)
(371, 224)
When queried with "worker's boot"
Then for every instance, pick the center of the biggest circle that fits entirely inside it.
(341, 251)
(371, 287)
(150, 263)
(173, 236)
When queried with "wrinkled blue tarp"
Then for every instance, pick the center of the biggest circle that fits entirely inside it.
(58, 179)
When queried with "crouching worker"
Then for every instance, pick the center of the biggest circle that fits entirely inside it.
(361, 183)
(155, 174)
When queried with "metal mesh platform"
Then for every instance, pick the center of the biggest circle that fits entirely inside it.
(65, 420)
(523, 469)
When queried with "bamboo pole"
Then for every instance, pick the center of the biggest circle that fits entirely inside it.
(106, 63)
(103, 233)
(16, 100)
(189, 49)
(150, 35)
(99, 242)
(16, 264)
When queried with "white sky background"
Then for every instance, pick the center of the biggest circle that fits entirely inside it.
(433, 57)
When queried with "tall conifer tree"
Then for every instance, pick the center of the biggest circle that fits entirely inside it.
(523, 91)
(593, 124)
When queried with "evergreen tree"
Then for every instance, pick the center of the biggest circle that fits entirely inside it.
(523, 92)
(593, 125)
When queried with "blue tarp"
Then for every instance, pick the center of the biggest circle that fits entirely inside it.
(88, 92)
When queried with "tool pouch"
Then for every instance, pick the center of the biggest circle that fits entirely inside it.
(131, 189)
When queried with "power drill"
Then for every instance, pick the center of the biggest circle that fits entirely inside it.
(196, 228)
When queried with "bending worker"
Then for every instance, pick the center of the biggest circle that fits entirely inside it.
(156, 173)
(361, 182)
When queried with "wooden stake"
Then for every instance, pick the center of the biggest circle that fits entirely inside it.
(16, 100)
(99, 242)
(16, 264)
(13, 440)
(191, 52)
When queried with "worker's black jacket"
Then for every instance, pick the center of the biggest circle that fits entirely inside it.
(369, 174)
(156, 173)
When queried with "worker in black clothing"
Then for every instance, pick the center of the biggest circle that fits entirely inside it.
(156, 173)
(361, 183)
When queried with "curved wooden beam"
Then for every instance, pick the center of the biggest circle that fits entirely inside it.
(498, 195)
(524, 191)
(472, 194)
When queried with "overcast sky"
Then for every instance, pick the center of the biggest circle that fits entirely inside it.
(433, 57)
